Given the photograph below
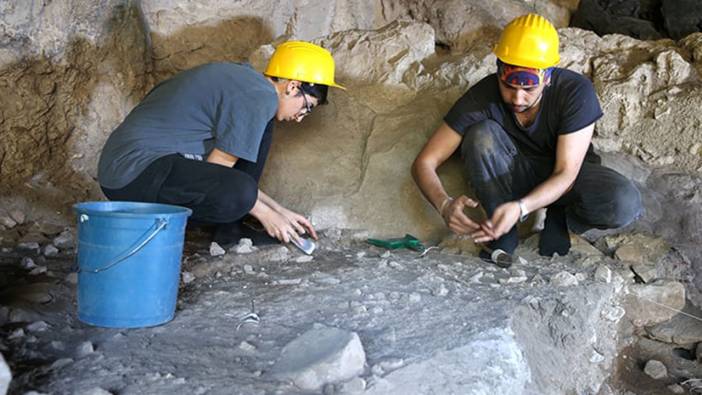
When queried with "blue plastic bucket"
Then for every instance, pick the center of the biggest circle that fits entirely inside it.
(129, 262)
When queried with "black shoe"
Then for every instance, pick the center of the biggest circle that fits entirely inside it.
(555, 237)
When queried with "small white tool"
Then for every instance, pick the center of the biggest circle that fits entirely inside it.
(305, 245)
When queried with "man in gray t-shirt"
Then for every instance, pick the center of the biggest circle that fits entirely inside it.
(201, 138)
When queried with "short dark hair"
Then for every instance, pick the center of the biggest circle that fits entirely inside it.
(319, 91)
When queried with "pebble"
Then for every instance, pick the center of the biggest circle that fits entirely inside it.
(288, 281)
(216, 249)
(38, 270)
(16, 334)
(564, 279)
(245, 246)
(441, 290)
(395, 265)
(655, 369)
(84, 349)
(385, 254)
(603, 274)
(390, 364)
(356, 385)
(64, 240)
(247, 347)
(28, 246)
(18, 216)
(188, 277)
(377, 310)
(676, 389)
(475, 279)
(360, 254)
(58, 345)
(7, 222)
(596, 357)
(248, 269)
(304, 259)
(72, 278)
(38, 326)
(50, 250)
(27, 263)
(613, 313)
(415, 297)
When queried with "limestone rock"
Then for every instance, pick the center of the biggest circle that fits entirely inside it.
(656, 369)
(648, 304)
(216, 249)
(603, 274)
(641, 249)
(681, 329)
(564, 279)
(320, 356)
(64, 240)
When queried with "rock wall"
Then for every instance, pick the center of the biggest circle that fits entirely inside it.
(71, 71)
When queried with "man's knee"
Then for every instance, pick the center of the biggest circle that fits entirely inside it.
(626, 205)
(483, 139)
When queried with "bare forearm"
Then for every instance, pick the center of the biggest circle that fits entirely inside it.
(267, 200)
(429, 183)
(548, 191)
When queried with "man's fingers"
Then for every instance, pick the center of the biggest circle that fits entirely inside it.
(465, 200)
(310, 229)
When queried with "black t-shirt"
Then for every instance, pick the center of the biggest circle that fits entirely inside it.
(568, 104)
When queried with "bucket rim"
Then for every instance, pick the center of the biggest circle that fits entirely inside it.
(94, 208)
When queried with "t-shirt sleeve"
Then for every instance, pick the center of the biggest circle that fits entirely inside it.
(241, 121)
(581, 107)
(466, 112)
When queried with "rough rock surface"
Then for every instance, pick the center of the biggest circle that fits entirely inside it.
(320, 356)
(531, 334)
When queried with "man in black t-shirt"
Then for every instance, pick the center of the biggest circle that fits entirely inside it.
(525, 137)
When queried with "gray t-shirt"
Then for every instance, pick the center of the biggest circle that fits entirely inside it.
(218, 105)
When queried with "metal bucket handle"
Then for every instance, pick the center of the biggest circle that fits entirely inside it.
(158, 225)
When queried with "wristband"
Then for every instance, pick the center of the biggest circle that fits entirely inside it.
(523, 212)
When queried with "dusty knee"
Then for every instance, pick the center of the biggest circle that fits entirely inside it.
(626, 205)
(481, 139)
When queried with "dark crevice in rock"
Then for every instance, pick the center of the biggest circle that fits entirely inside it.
(641, 19)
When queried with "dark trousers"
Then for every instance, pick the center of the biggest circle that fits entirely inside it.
(600, 197)
(215, 193)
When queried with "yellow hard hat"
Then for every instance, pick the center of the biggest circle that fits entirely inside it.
(302, 61)
(529, 41)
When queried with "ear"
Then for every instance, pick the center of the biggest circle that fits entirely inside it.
(292, 86)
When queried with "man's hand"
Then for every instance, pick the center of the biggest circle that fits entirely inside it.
(301, 224)
(455, 217)
(503, 219)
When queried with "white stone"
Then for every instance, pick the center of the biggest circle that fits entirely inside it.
(354, 386)
(564, 279)
(288, 281)
(18, 216)
(247, 347)
(596, 357)
(216, 249)
(38, 270)
(613, 313)
(84, 349)
(304, 259)
(245, 246)
(38, 326)
(72, 278)
(320, 356)
(64, 240)
(248, 269)
(50, 250)
(603, 274)
(7, 222)
(676, 389)
(656, 369)
(188, 277)
(441, 290)
(415, 297)
(28, 246)
(27, 263)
